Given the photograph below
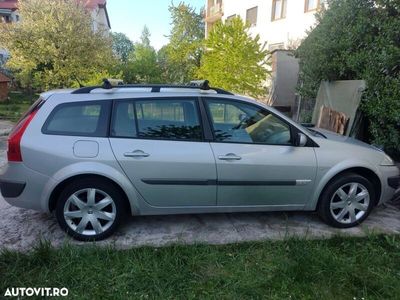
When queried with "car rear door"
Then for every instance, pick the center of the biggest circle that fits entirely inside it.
(257, 163)
(159, 144)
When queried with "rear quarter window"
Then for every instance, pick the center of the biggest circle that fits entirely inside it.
(79, 119)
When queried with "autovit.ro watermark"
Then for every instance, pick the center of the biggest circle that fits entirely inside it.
(36, 291)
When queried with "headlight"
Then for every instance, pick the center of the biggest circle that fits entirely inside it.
(387, 161)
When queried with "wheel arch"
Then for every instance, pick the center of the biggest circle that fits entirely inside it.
(362, 171)
(55, 193)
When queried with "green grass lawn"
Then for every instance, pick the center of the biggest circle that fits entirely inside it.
(18, 104)
(339, 268)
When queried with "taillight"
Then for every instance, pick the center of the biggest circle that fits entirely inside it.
(14, 139)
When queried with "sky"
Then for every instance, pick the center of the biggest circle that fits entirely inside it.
(130, 16)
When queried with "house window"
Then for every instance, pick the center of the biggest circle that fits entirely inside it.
(230, 18)
(5, 19)
(251, 16)
(278, 9)
(311, 5)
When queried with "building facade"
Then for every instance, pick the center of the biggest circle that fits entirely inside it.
(281, 25)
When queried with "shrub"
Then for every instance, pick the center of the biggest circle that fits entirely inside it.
(359, 39)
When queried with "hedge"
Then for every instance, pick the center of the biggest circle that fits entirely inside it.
(359, 39)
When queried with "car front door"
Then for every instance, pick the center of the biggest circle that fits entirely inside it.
(159, 144)
(257, 163)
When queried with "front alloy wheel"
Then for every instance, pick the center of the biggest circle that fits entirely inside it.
(90, 209)
(347, 201)
(350, 203)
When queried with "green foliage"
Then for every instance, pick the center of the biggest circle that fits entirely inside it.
(181, 57)
(122, 46)
(17, 104)
(97, 78)
(54, 45)
(234, 60)
(338, 268)
(142, 66)
(359, 39)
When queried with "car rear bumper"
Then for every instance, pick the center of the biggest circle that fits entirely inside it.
(11, 189)
(23, 187)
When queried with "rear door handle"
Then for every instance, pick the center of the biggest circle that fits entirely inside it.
(229, 156)
(136, 153)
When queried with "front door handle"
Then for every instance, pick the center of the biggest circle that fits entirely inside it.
(229, 156)
(136, 153)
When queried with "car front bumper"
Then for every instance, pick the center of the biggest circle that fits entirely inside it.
(394, 182)
(390, 179)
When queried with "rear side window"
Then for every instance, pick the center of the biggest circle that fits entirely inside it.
(157, 119)
(79, 119)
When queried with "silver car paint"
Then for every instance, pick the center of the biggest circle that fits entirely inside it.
(51, 159)
(174, 160)
(266, 163)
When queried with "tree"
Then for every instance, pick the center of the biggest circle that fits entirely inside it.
(359, 39)
(122, 46)
(142, 62)
(145, 37)
(234, 60)
(184, 51)
(54, 45)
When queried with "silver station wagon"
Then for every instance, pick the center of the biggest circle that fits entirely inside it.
(96, 154)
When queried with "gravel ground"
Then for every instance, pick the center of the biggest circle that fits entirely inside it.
(20, 229)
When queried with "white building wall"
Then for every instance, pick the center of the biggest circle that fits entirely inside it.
(287, 31)
(100, 21)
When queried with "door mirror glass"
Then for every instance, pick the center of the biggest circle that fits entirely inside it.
(242, 117)
(301, 140)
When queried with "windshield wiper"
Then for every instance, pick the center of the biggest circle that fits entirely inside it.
(315, 132)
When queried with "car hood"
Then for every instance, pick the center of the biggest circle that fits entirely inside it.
(344, 139)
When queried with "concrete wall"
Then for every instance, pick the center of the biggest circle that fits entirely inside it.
(100, 21)
(285, 74)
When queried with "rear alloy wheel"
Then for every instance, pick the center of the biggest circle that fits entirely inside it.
(347, 201)
(89, 210)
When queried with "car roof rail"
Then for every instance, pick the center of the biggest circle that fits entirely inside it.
(155, 88)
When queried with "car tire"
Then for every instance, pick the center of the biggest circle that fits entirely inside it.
(90, 209)
(347, 201)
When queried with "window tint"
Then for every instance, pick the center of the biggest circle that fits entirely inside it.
(168, 119)
(158, 119)
(244, 123)
(81, 119)
(124, 124)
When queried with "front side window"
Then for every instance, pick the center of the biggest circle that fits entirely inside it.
(278, 9)
(244, 123)
(157, 119)
(79, 118)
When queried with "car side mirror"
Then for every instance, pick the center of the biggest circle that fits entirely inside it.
(242, 118)
(301, 140)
